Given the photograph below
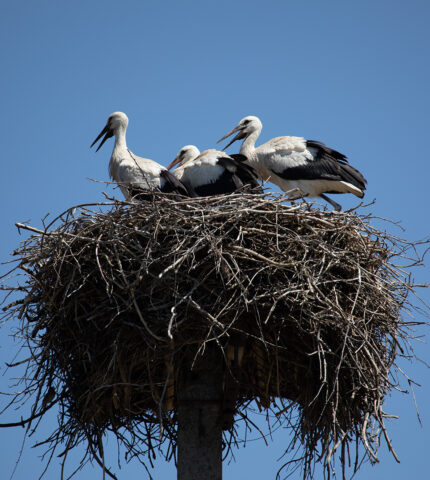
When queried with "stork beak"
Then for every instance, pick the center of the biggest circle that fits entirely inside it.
(175, 162)
(239, 136)
(107, 134)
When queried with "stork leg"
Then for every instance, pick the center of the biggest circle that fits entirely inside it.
(295, 194)
(334, 204)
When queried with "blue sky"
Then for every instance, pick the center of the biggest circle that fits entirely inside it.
(354, 75)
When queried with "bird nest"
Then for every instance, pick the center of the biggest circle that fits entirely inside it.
(305, 306)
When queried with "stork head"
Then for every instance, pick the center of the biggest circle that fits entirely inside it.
(115, 122)
(245, 127)
(185, 154)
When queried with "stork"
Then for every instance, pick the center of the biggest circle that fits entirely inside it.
(185, 154)
(294, 163)
(136, 176)
(212, 172)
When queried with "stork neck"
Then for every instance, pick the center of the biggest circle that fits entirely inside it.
(120, 142)
(248, 145)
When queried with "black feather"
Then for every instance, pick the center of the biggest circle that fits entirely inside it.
(239, 157)
(242, 174)
(323, 150)
(173, 185)
(328, 164)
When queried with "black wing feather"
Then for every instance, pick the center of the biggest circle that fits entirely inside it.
(239, 157)
(242, 174)
(327, 164)
(323, 150)
(173, 185)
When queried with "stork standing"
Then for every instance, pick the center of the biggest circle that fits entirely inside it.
(136, 176)
(293, 163)
(212, 172)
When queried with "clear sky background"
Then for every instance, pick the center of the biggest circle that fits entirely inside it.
(355, 75)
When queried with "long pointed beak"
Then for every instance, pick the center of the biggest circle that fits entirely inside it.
(107, 134)
(239, 136)
(175, 162)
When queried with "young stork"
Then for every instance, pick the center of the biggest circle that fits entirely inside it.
(212, 172)
(136, 176)
(295, 163)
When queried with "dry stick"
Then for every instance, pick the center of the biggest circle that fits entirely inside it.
(137, 309)
(28, 420)
(261, 257)
(100, 462)
(371, 453)
(387, 439)
(31, 229)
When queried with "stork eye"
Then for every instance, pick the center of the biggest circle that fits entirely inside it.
(246, 122)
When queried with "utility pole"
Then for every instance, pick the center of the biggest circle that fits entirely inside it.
(199, 410)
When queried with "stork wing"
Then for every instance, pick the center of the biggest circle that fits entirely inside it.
(322, 163)
(241, 174)
(245, 172)
(173, 185)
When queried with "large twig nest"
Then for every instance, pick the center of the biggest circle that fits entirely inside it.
(305, 305)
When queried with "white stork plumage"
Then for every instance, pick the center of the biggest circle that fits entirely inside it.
(212, 172)
(293, 163)
(136, 176)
